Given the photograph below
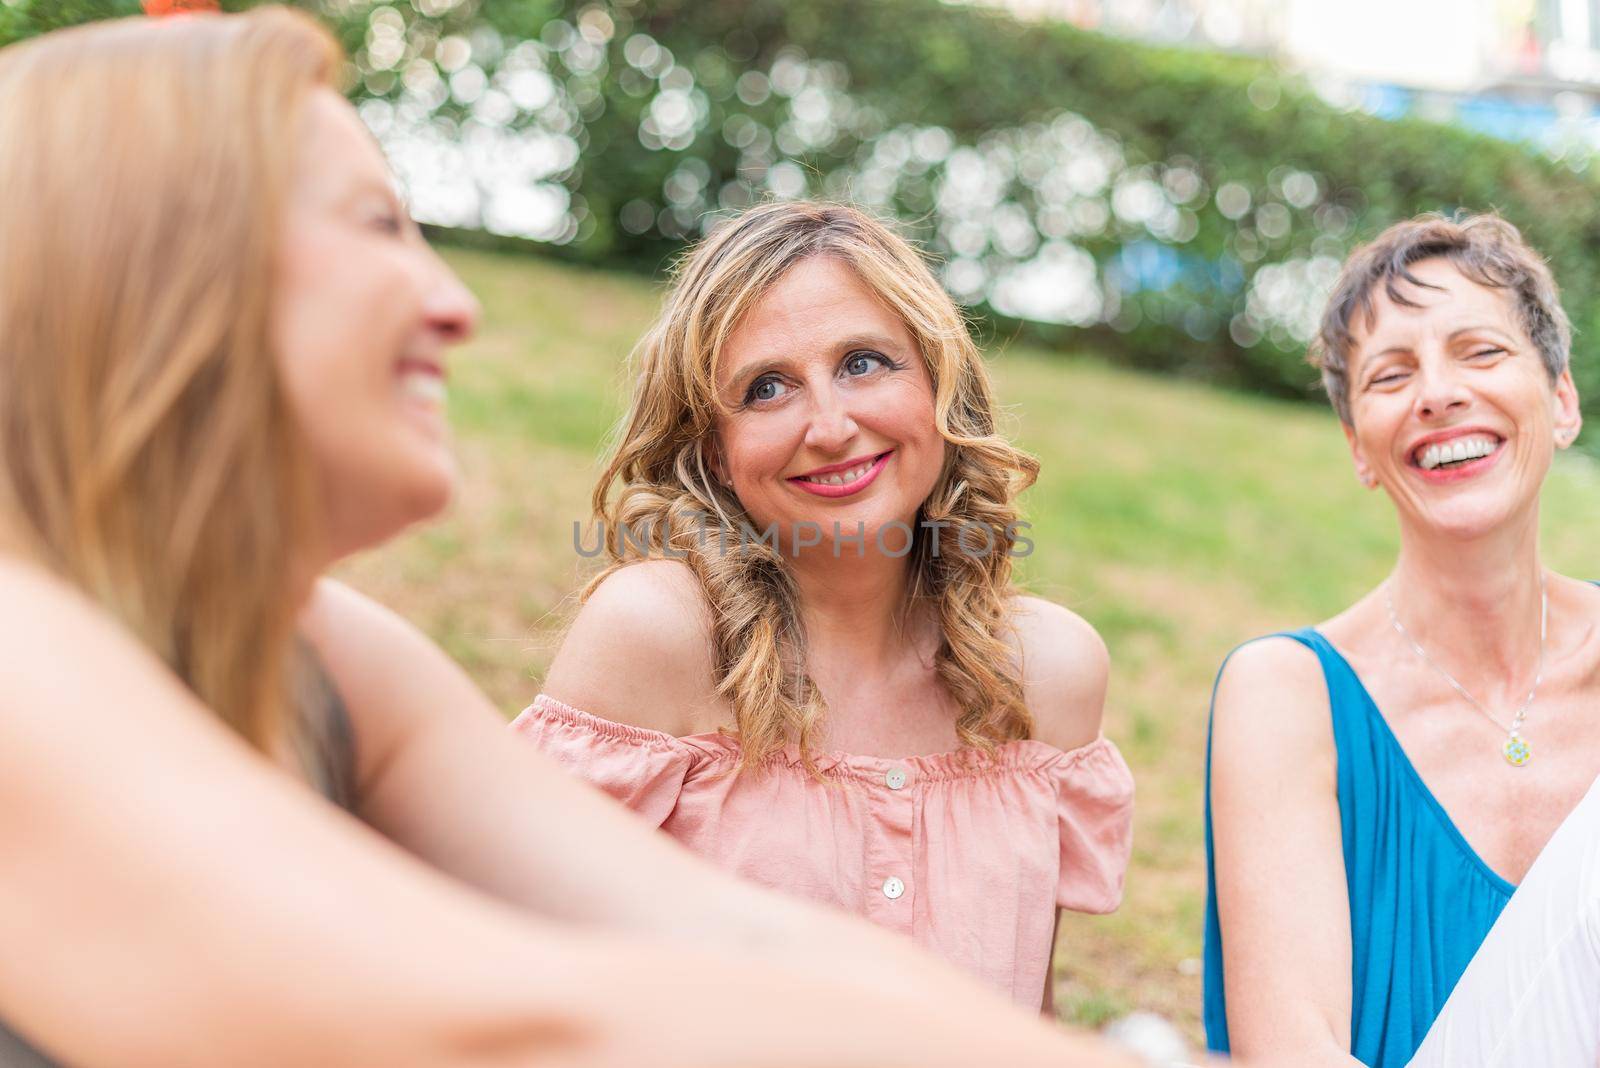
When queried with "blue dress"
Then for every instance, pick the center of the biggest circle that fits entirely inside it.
(1421, 900)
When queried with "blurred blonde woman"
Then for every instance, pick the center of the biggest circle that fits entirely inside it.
(247, 817)
(806, 659)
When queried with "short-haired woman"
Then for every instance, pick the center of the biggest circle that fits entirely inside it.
(1379, 784)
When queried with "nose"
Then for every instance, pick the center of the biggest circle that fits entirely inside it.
(1442, 390)
(451, 310)
(831, 427)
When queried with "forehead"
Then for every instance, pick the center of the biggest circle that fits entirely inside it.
(336, 154)
(1447, 301)
(813, 303)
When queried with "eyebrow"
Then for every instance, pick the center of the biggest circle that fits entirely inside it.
(370, 188)
(840, 347)
(755, 371)
(1452, 336)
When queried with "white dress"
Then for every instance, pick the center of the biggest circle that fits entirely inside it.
(1531, 996)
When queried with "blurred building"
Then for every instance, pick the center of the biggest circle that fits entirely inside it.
(1518, 69)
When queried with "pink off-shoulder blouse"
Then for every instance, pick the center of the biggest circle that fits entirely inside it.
(967, 854)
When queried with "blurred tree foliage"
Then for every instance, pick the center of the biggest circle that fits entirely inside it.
(1186, 209)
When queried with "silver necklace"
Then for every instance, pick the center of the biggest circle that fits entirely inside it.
(1516, 749)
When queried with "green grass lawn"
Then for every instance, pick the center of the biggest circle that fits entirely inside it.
(1178, 519)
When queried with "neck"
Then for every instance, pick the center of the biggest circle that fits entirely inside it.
(304, 572)
(1475, 606)
(853, 606)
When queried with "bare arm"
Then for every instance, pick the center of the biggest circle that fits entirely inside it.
(1065, 671)
(196, 905)
(1281, 895)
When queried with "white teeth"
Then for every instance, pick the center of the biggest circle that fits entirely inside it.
(1457, 451)
(840, 478)
(425, 387)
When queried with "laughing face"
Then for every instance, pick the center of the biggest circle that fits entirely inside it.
(363, 318)
(1453, 411)
(829, 414)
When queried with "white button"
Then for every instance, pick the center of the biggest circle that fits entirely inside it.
(893, 888)
(895, 778)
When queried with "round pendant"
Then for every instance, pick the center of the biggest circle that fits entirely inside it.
(1517, 751)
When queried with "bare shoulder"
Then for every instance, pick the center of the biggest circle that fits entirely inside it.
(1270, 711)
(639, 651)
(394, 681)
(1268, 671)
(1065, 669)
(338, 611)
(67, 661)
(372, 650)
(48, 629)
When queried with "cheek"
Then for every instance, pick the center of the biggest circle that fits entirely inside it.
(758, 445)
(342, 314)
(1379, 423)
(338, 325)
(904, 413)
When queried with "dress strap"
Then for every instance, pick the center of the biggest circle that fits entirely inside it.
(1348, 703)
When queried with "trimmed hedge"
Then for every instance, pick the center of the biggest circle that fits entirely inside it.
(1181, 209)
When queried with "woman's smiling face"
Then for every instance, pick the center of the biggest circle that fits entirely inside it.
(1452, 409)
(828, 412)
(364, 317)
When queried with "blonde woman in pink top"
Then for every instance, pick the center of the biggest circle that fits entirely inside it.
(806, 659)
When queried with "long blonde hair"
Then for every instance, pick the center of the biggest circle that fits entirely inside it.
(147, 451)
(661, 484)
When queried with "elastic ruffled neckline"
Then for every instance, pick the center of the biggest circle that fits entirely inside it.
(1021, 755)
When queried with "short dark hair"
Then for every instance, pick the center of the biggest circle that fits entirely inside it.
(1484, 248)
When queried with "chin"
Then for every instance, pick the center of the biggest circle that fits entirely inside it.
(428, 496)
(1467, 522)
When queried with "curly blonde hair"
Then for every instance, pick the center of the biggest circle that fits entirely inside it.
(657, 481)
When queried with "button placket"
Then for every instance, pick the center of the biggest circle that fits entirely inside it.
(893, 853)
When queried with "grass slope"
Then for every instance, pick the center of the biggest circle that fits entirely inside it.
(1179, 520)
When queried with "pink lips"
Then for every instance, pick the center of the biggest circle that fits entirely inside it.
(413, 365)
(844, 489)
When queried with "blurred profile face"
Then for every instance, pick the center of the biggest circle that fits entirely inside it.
(1453, 411)
(830, 411)
(363, 317)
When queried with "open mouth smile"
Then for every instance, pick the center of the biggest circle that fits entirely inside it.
(842, 480)
(421, 380)
(1456, 456)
